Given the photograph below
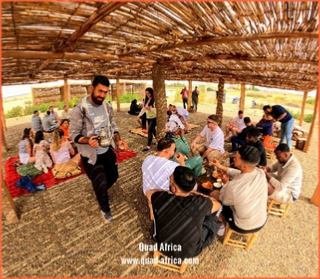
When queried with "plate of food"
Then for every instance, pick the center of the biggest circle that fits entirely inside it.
(216, 175)
(217, 185)
(207, 185)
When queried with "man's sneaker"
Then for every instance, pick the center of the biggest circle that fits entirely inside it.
(107, 216)
(221, 230)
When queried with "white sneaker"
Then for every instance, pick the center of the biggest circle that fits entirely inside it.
(221, 230)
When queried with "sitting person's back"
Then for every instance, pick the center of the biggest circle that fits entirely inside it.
(48, 124)
(183, 219)
(61, 152)
(41, 150)
(26, 155)
(134, 108)
(36, 122)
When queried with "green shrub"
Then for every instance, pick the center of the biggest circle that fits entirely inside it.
(73, 101)
(127, 98)
(59, 105)
(311, 101)
(296, 115)
(44, 107)
(256, 95)
(308, 118)
(15, 112)
(177, 96)
(28, 110)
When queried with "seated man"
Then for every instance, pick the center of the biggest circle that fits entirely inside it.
(36, 123)
(214, 146)
(253, 139)
(266, 126)
(174, 118)
(244, 198)
(182, 146)
(49, 124)
(182, 116)
(156, 169)
(183, 219)
(285, 187)
(241, 138)
(236, 125)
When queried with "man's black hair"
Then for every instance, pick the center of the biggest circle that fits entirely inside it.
(164, 144)
(35, 111)
(100, 80)
(266, 107)
(246, 120)
(249, 154)
(254, 132)
(282, 147)
(184, 178)
(48, 112)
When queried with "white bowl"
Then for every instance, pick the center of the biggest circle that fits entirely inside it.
(217, 185)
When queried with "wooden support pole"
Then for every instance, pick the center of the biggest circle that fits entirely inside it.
(219, 108)
(303, 105)
(3, 140)
(159, 89)
(8, 207)
(242, 96)
(118, 94)
(315, 197)
(3, 118)
(314, 118)
(66, 92)
(190, 95)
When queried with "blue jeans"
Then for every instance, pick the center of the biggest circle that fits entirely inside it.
(286, 131)
(234, 141)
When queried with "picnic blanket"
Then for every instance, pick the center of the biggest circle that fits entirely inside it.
(139, 132)
(12, 177)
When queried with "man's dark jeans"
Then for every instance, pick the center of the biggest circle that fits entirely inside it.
(103, 174)
(236, 140)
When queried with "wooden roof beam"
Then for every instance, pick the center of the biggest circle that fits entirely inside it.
(21, 54)
(242, 58)
(229, 39)
(97, 16)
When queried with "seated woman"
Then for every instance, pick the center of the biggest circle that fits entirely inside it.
(61, 152)
(134, 108)
(64, 126)
(26, 147)
(41, 149)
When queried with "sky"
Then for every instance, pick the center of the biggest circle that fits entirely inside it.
(16, 90)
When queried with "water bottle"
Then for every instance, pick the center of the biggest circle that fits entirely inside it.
(103, 139)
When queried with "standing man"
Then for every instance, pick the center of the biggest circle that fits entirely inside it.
(195, 98)
(86, 120)
(279, 113)
(36, 123)
(185, 94)
(214, 146)
(285, 186)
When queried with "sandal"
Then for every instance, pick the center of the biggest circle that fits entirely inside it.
(146, 149)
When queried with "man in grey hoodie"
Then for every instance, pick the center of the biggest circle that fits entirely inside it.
(87, 118)
(36, 123)
(48, 124)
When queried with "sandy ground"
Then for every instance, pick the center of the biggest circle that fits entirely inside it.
(61, 232)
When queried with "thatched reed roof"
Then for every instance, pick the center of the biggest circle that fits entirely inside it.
(272, 44)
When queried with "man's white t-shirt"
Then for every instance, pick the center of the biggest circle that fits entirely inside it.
(182, 112)
(156, 173)
(240, 122)
(214, 139)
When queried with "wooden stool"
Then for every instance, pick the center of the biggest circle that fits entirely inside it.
(250, 238)
(278, 208)
(157, 262)
(269, 153)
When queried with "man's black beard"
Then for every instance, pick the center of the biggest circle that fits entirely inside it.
(95, 100)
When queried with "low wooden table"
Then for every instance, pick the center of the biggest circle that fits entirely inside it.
(204, 178)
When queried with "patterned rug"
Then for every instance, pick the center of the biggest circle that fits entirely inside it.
(12, 177)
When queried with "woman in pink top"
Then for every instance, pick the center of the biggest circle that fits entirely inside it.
(61, 152)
